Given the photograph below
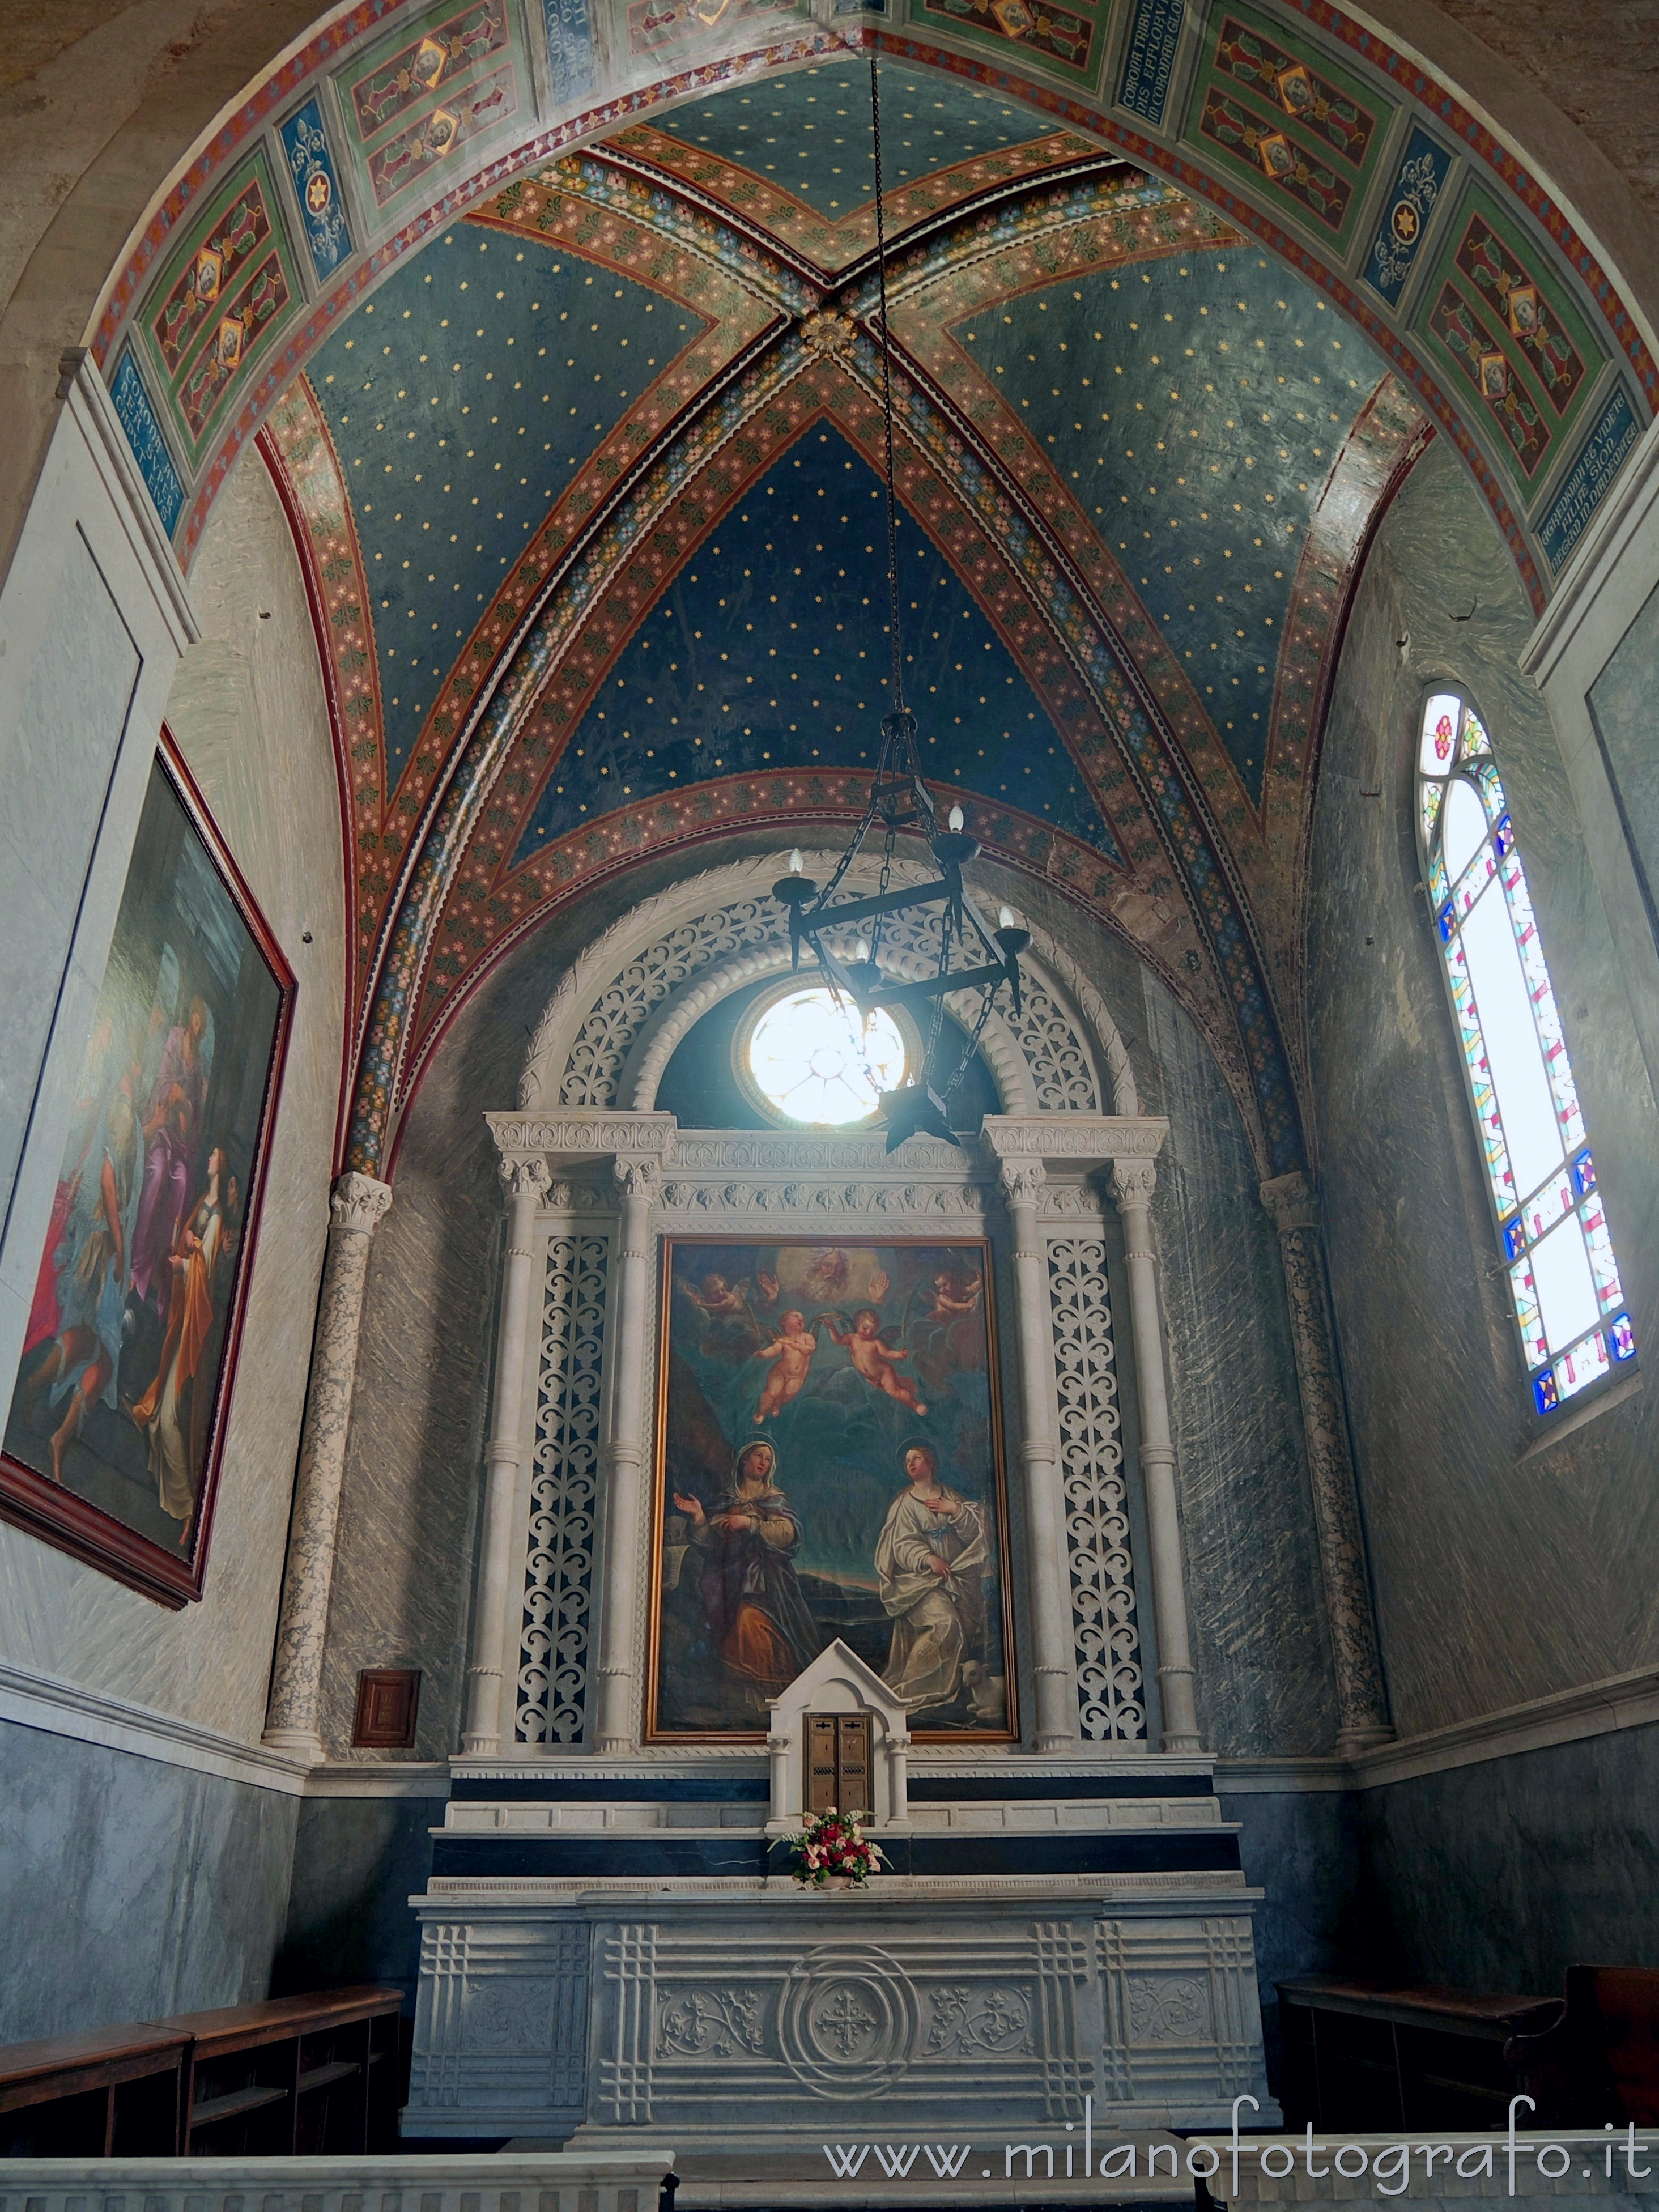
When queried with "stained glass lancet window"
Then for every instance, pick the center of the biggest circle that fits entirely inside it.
(1540, 1172)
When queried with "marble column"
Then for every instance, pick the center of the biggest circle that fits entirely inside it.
(639, 1181)
(1362, 1706)
(1132, 1184)
(1049, 1572)
(525, 1179)
(355, 1205)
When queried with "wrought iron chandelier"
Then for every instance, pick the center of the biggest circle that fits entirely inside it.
(901, 801)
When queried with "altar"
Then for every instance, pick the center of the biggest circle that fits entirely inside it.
(785, 1427)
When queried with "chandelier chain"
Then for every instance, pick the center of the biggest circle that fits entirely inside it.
(886, 396)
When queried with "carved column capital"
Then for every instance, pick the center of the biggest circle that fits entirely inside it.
(524, 1175)
(637, 1178)
(1291, 1201)
(1021, 1180)
(357, 1204)
(1133, 1182)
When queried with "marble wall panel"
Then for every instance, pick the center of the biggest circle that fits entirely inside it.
(130, 1888)
(1501, 1875)
(248, 712)
(1499, 1576)
(1259, 1646)
(1306, 1848)
(357, 1861)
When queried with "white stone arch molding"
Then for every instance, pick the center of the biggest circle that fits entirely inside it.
(608, 1030)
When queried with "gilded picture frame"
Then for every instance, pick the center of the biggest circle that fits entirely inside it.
(828, 1464)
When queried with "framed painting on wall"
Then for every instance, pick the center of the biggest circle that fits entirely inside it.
(828, 1465)
(116, 1427)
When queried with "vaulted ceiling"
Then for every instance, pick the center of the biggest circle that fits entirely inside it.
(591, 505)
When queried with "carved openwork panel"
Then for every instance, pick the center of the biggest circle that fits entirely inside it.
(553, 1667)
(1110, 1685)
(1062, 1073)
(1058, 1059)
(628, 1001)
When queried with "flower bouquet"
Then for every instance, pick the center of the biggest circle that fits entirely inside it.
(832, 1849)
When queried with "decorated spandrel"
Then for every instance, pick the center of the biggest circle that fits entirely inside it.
(1564, 1277)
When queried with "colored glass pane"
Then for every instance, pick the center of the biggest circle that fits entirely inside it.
(1464, 830)
(1485, 778)
(1475, 740)
(1541, 996)
(1604, 1268)
(1563, 1284)
(1564, 1277)
(1504, 1011)
(1475, 878)
(1584, 1365)
(1533, 1342)
(1486, 1103)
(1547, 1206)
(1439, 733)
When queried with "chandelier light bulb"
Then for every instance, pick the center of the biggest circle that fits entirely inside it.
(795, 862)
(955, 819)
(864, 948)
(1006, 917)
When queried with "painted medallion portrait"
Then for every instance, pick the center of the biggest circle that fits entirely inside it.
(116, 1416)
(830, 1465)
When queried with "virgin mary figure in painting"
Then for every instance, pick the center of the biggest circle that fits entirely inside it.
(930, 1557)
(757, 1618)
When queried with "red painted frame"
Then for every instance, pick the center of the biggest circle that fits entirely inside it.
(55, 1515)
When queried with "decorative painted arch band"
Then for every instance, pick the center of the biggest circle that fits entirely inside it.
(1404, 93)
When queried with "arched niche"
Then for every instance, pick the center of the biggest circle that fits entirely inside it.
(609, 1029)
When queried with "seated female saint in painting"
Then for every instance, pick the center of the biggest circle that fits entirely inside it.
(757, 1617)
(930, 1557)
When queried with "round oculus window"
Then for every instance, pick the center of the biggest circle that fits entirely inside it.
(805, 1060)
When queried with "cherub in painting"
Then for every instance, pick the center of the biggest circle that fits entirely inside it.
(949, 1300)
(718, 1299)
(793, 1352)
(873, 1359)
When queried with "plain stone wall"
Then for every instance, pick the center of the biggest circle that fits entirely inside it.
(1500, 1576)
(129, 1888)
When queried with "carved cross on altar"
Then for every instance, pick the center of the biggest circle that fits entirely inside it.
(840, 1714)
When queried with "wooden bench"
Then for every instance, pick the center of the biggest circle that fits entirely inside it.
(1359, 2055)
(312, 2076)
(114, 2092)
(1598, 2059)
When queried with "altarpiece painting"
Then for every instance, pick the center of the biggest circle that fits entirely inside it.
(829, 1464)
(116, 1424)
